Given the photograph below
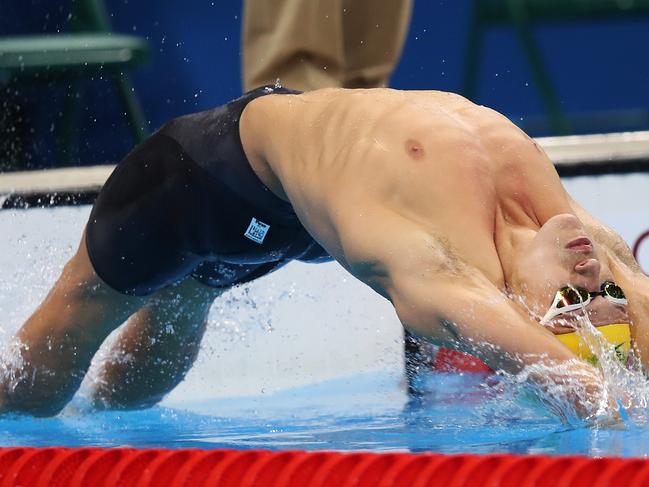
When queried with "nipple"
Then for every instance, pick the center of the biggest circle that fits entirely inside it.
(414, 149)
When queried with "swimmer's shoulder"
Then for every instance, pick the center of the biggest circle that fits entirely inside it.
(347, 99)
(329, 95)
(333, 95)
(308, 108)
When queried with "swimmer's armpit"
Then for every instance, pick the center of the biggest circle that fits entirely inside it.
(432, 287)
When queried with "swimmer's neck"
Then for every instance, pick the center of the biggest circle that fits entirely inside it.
(515, 225)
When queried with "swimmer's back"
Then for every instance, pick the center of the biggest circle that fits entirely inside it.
(393, 142)
(424, 157)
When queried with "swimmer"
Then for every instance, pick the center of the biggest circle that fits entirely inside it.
(443, 207)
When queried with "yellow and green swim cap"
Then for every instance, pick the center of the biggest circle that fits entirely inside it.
(618, 334)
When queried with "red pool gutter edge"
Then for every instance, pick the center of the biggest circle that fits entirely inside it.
(95, 467)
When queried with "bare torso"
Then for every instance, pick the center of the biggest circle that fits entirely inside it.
(458, 171)
(413, 192)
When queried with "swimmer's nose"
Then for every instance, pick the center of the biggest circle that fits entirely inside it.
(589, 270)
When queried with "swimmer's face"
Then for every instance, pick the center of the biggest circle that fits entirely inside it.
(561, 254)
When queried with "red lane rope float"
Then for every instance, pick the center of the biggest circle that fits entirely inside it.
(97, 467)
(448, 360)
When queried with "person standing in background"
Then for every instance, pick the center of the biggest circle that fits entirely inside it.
(313, 44)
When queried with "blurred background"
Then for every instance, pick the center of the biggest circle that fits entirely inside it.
(552, 66)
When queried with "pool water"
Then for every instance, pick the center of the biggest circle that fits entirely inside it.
(456, 413)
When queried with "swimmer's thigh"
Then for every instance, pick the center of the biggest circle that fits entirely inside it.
(143, 233)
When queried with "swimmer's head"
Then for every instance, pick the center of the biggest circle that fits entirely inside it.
(562, 253)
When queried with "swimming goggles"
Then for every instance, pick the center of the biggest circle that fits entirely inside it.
(570, 298)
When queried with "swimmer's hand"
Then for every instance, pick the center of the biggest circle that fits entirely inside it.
(574, 389)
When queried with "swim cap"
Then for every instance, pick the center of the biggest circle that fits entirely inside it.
(618, 334)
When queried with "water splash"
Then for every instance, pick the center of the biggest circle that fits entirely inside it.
(616, 394)
(625, 380)
(576, 395)
(11, 365)
(245, 310)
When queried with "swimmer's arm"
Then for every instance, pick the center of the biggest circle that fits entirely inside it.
(636, 288)
(629, 276)
(467, 312)
(607, 237)
(459, 307)
(440, 297)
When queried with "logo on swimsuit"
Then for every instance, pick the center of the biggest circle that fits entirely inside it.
(257, 231)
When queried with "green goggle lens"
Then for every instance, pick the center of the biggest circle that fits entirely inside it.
(613, 290)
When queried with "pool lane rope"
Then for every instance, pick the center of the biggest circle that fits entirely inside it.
(75, 467)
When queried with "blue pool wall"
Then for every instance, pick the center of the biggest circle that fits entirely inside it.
(195, 65)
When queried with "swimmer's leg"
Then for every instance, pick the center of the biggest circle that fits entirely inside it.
(156, 348)
(59, 340)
